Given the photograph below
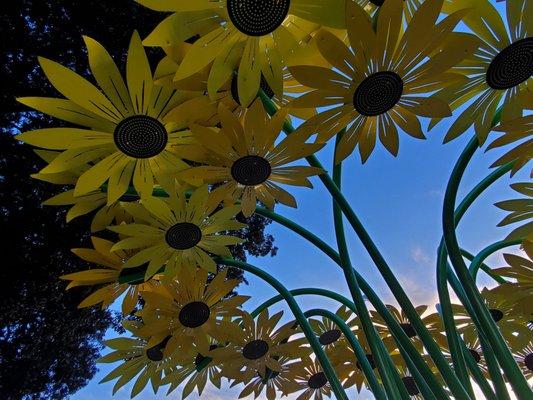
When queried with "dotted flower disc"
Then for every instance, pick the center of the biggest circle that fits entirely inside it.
(329, 337)
(194, 314)
(475, 354)
(155, 353)
(255, 349)
(257, 17)
(496, 314)
(263, 84)
(317, 381)
(410, 385)
(512, 66)
(183, 236)
(140, 136)
(378, 93)
(251, 170)
(371, 361)
(528, 360)
(408, 329)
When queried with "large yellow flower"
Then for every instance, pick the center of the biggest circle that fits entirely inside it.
(259, 346)
(255, 37)
(138, 359)
(175, 232)
(109, 277)
(246, 159)
(128, 137)
(377, 84)
(84, 204)
(499, 70)
(191, 311)
(329, 335)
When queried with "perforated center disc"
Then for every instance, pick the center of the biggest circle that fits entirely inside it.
(257, 17)
(251, 170)
(316, 381)
(496, 314)
(528, 360)
(410, 385)
(408, 329)
(512, 66)
(329, 337)
(378, 93)
(475, 354)
(255, 349)
(194, 314)
(140, 136)
(183, 236)
(155, 353)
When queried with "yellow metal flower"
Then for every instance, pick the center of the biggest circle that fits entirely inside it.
(310, 378)
(378, 83)
(518, 132)
(191, 311)
(254, 37)
(174, 233)
(524, 358)
(259, 346)
(270, 383)
(520, 269)
(520, 211)
(247, 161)
(128, 137)
(139, 360)
(84, 204)
(329, 335)
(108, 278)
(499, 70)
(432, 321)
(196, 371)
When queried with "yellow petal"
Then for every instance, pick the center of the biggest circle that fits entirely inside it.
(139, 75)
(249, 75)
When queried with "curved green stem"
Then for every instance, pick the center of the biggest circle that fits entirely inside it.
(305, 291)
(432, 348)
(470, 257)
(329, 371)
(376, 388)
(384, 363)
(485, 322)
(487, 251)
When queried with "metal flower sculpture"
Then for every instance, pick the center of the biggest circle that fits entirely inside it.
(171, 162)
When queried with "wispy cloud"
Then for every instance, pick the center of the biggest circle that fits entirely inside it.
(421, 256)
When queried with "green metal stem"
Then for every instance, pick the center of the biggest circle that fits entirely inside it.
(383, 362)
(470, 257)
(477, 374)
(432, 348)
(329, 371)
(376, 388)
(305, 291)
(487, 251)
(485, 322)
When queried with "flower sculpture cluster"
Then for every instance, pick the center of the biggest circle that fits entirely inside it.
(167, 160)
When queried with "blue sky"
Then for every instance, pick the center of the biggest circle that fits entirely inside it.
(399, 200)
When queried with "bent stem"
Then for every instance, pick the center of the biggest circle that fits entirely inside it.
(376, 388)
(329, 371)
(487, 251)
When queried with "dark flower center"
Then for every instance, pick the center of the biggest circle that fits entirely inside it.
(475, 354)
(263, 84)
(378, 93)
(255, 349)
(155, 353)
(496, 314)
(194, 314)
(140, 136)
(410, 385)
(528, 360)
(316, 381)
(329, 337)
(511, 66)
(409, 330)
(251, 170)
(257, 17)
(183, 236)
(371, 361)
